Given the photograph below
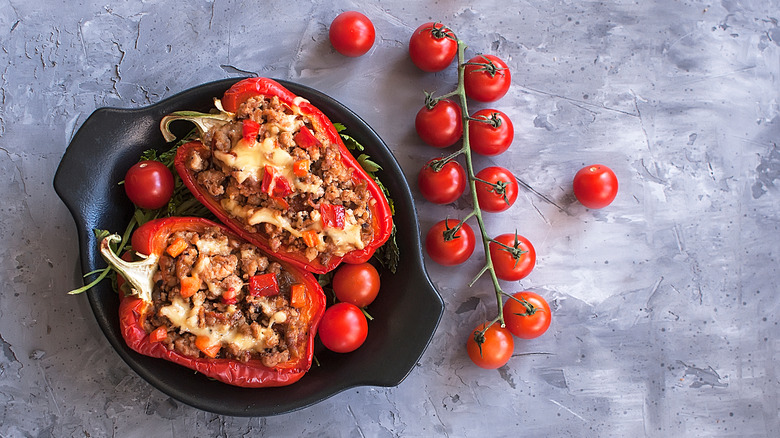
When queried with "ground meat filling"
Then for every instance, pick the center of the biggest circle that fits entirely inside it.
(326, 180)
(223, 309)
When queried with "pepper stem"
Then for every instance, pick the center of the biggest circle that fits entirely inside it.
(137, 274)
(203, 121)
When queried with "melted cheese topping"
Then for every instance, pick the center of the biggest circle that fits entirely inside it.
(248, 158)
(184, 316)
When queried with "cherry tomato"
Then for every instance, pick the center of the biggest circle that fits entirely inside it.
(595, 186)
(525, 323)
(494, 199)
(352, 34)
(494, 135)
(432, 47)
(149, 184)
(486, 78)
(356, 284)
(450, 252)
(443, 186)
(343, 328)
(513, 263)
(496, 347)
(440, 126)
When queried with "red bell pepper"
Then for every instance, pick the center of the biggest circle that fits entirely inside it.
(250, 129)
(263, 285)
(275, 185)
(381, 217)
(332, 216)
(306, 139)
(150, 239)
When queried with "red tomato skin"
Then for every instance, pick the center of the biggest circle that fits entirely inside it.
(149, 184)
(440, 126)
(506, 266)
(343, 328)
(496, 350)
(452, 252)
(595, 186)
(444, 186)
(356, 284)
(490, 201)
(429, 53)
(485, 139)
(352, 34)
(483, 87)
(527, 326)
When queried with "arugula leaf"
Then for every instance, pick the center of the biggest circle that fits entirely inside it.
(368, 165)
(389, 253)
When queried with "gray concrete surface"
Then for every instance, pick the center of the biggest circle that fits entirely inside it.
(665, 308)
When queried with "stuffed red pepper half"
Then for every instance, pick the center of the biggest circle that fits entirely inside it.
(206, 299)
(273, 168)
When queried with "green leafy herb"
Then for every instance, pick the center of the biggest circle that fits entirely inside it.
(182, 203)
(388, 254)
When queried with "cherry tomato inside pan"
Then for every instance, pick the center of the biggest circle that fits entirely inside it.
(343, 328)
(357, 284)
(149, 184)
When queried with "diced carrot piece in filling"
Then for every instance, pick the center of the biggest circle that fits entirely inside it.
(158, 334)
(311, 238)
(177, 247)
(189, 285)
(301, 168)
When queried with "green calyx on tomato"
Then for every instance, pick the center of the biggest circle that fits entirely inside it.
(450, 245)
(439, 123)
(490, 346)
(513, 256)
(497, 189)
(442, 181)
(432, 47)
(527, 315)
(486, 78)
(490, 132)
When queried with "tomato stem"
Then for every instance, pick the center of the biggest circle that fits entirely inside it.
(438, 164)
(460, 91)
(494, 120)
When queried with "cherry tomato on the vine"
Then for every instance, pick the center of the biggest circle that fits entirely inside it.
(515, 262)
(450, 252)
(442, 186)
(356, 284)
(500, 193)
(486, 78)
(493, 134)
(440, 126)
(495, 348)
(343, 328)
(527, 322)
(352, 33)
(149, 184)
(595, 186)
(432, 47)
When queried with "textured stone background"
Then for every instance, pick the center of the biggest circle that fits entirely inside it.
(665, 315)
